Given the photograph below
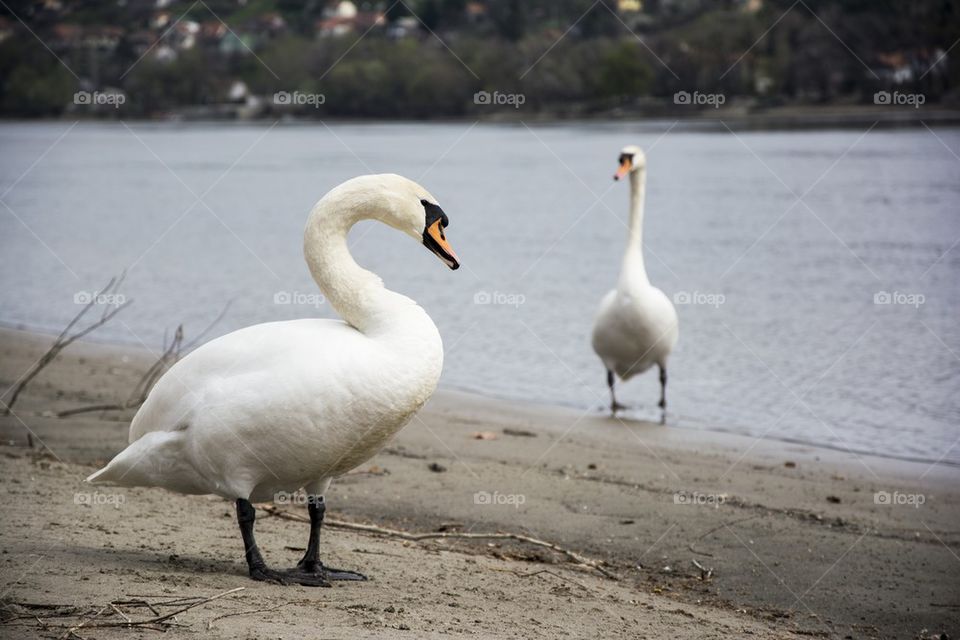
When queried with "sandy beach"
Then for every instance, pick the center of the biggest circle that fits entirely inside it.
(708, 535)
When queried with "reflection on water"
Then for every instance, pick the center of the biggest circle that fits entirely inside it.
(783, 244)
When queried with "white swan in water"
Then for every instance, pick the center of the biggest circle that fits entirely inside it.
(636, 326)
(287, 405)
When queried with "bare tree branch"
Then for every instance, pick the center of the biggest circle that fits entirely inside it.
(66, 338)
(171, 355)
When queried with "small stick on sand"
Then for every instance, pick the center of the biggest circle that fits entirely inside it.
(150, 623)
(122, 614)
(446, 535)
(244, 613)
(548, 572)
(72, 631)
(167, 616)
(714, 530)
(705, 574)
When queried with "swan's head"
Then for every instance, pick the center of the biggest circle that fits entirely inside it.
(631, 159)
(404, 205)
(416, 213)
(432, 235)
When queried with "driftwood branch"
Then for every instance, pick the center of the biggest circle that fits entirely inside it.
(169, 356)
(66, 338)
(573, 556)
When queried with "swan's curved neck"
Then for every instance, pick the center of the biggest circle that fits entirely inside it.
(356, 294)
(633, 267)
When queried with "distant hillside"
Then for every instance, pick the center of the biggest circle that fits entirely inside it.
(449, 58)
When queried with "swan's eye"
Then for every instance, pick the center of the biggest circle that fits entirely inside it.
(433, 213)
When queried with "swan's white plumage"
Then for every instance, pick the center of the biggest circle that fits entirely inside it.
(634, 330)
(284, 405)
(636, 325)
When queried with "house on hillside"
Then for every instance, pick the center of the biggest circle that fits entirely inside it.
(344, 18)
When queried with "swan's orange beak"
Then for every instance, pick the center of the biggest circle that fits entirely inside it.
(436, 241)
(625, 165)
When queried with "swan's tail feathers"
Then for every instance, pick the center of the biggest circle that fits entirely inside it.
(155, 460)
(99, 477)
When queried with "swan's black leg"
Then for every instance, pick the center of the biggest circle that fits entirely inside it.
(663, 393)
(246, 516)
(310, 563)
(614, 405)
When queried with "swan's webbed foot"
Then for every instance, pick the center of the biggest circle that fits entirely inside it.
(310, 564)
(306, 568)
(318, 577)
(309, 572)
(286, 578)
(616, 406)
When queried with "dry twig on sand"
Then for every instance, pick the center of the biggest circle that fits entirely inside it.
(573, 556)
(714, 530)
(546, 572)
(244, 613)
(89, 616)
(161, 620)
(66, 338)
(705, 573)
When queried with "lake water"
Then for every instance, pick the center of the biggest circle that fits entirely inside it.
(786, 340)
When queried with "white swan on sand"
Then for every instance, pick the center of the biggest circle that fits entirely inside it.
(636, 326)
(287, 405)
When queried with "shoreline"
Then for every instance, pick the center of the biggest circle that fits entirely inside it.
(796, 539)
(727, 436)
(786, 118)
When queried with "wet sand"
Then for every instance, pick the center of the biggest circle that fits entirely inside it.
(791, 539)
